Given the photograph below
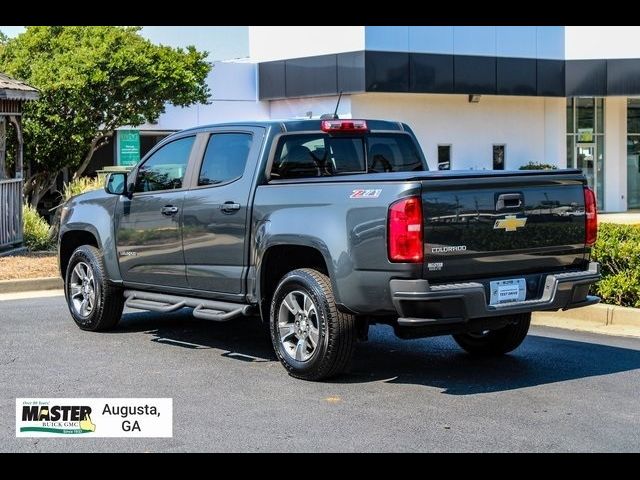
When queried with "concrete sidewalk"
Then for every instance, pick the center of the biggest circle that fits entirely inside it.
(625, 218)
(31, 294)
(601, 318)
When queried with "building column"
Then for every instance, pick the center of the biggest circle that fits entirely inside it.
(615, 156)
(555, 131)
(15, 119)
(3, 146)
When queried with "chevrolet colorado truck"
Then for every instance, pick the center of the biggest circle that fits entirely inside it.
(322, 228)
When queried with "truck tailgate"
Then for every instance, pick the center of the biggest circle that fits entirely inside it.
(484, 225)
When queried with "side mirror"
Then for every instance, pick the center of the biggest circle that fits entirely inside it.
(116, 183)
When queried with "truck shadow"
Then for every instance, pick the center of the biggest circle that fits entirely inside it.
(242, 339)
(440, 363)
(433, 362)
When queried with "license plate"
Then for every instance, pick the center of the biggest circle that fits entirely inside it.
(506, 291)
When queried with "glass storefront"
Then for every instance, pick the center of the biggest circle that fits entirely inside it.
(585, 140)
(633, 152)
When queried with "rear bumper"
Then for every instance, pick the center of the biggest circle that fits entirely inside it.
(419, 304)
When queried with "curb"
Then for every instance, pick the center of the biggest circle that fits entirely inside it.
(13, 251)
(600, 318)
(31, 284)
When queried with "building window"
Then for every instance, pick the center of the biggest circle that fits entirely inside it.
(498, 157)
(585, 140)
(585, 113)
(633, 153)
(444, 157)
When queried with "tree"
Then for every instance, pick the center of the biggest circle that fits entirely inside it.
(3, 41)
(92, 80)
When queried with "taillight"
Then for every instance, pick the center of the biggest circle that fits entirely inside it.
(591, 214)
(344, 126)
(405, 230)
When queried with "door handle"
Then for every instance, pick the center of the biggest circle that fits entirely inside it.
(169, 210)
(230, 207)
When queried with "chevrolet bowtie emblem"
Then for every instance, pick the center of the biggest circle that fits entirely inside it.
(510, 223)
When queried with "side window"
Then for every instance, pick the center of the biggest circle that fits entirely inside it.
(225, 158)
(164, 170)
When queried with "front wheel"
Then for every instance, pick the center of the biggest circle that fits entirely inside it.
(312, 339)
(496, 342)
(94, 304)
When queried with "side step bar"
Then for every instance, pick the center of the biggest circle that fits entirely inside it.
(204, 309)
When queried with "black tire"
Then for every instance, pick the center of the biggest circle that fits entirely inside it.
(108, 299)
(497, 342)
(336, 331)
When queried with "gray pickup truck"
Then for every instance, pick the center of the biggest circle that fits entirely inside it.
(322, 228)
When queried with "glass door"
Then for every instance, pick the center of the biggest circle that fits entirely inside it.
(586, 141)
(585, 161)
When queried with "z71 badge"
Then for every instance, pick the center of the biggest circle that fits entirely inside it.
(362, 193)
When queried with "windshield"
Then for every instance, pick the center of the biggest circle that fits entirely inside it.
(322, 155)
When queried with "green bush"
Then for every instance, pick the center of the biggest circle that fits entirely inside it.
(618, 251)
(81, 185)
(538, 166)
(36, 229)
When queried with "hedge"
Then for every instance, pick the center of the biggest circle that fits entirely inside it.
(36, 230)
(618, 251)
(538, 166)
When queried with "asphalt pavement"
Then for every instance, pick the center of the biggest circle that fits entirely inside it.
(560, 391)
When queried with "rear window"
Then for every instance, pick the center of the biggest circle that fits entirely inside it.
(321, 155)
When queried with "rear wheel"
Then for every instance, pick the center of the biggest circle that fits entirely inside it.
(94, 304)
(312, 339)
(496, 342)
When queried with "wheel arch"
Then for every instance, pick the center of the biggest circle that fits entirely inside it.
(69, 241)
(277, 260)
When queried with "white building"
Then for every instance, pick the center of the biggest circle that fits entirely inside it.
(476, 97)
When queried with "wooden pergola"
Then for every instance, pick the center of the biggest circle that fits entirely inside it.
(13, 95)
